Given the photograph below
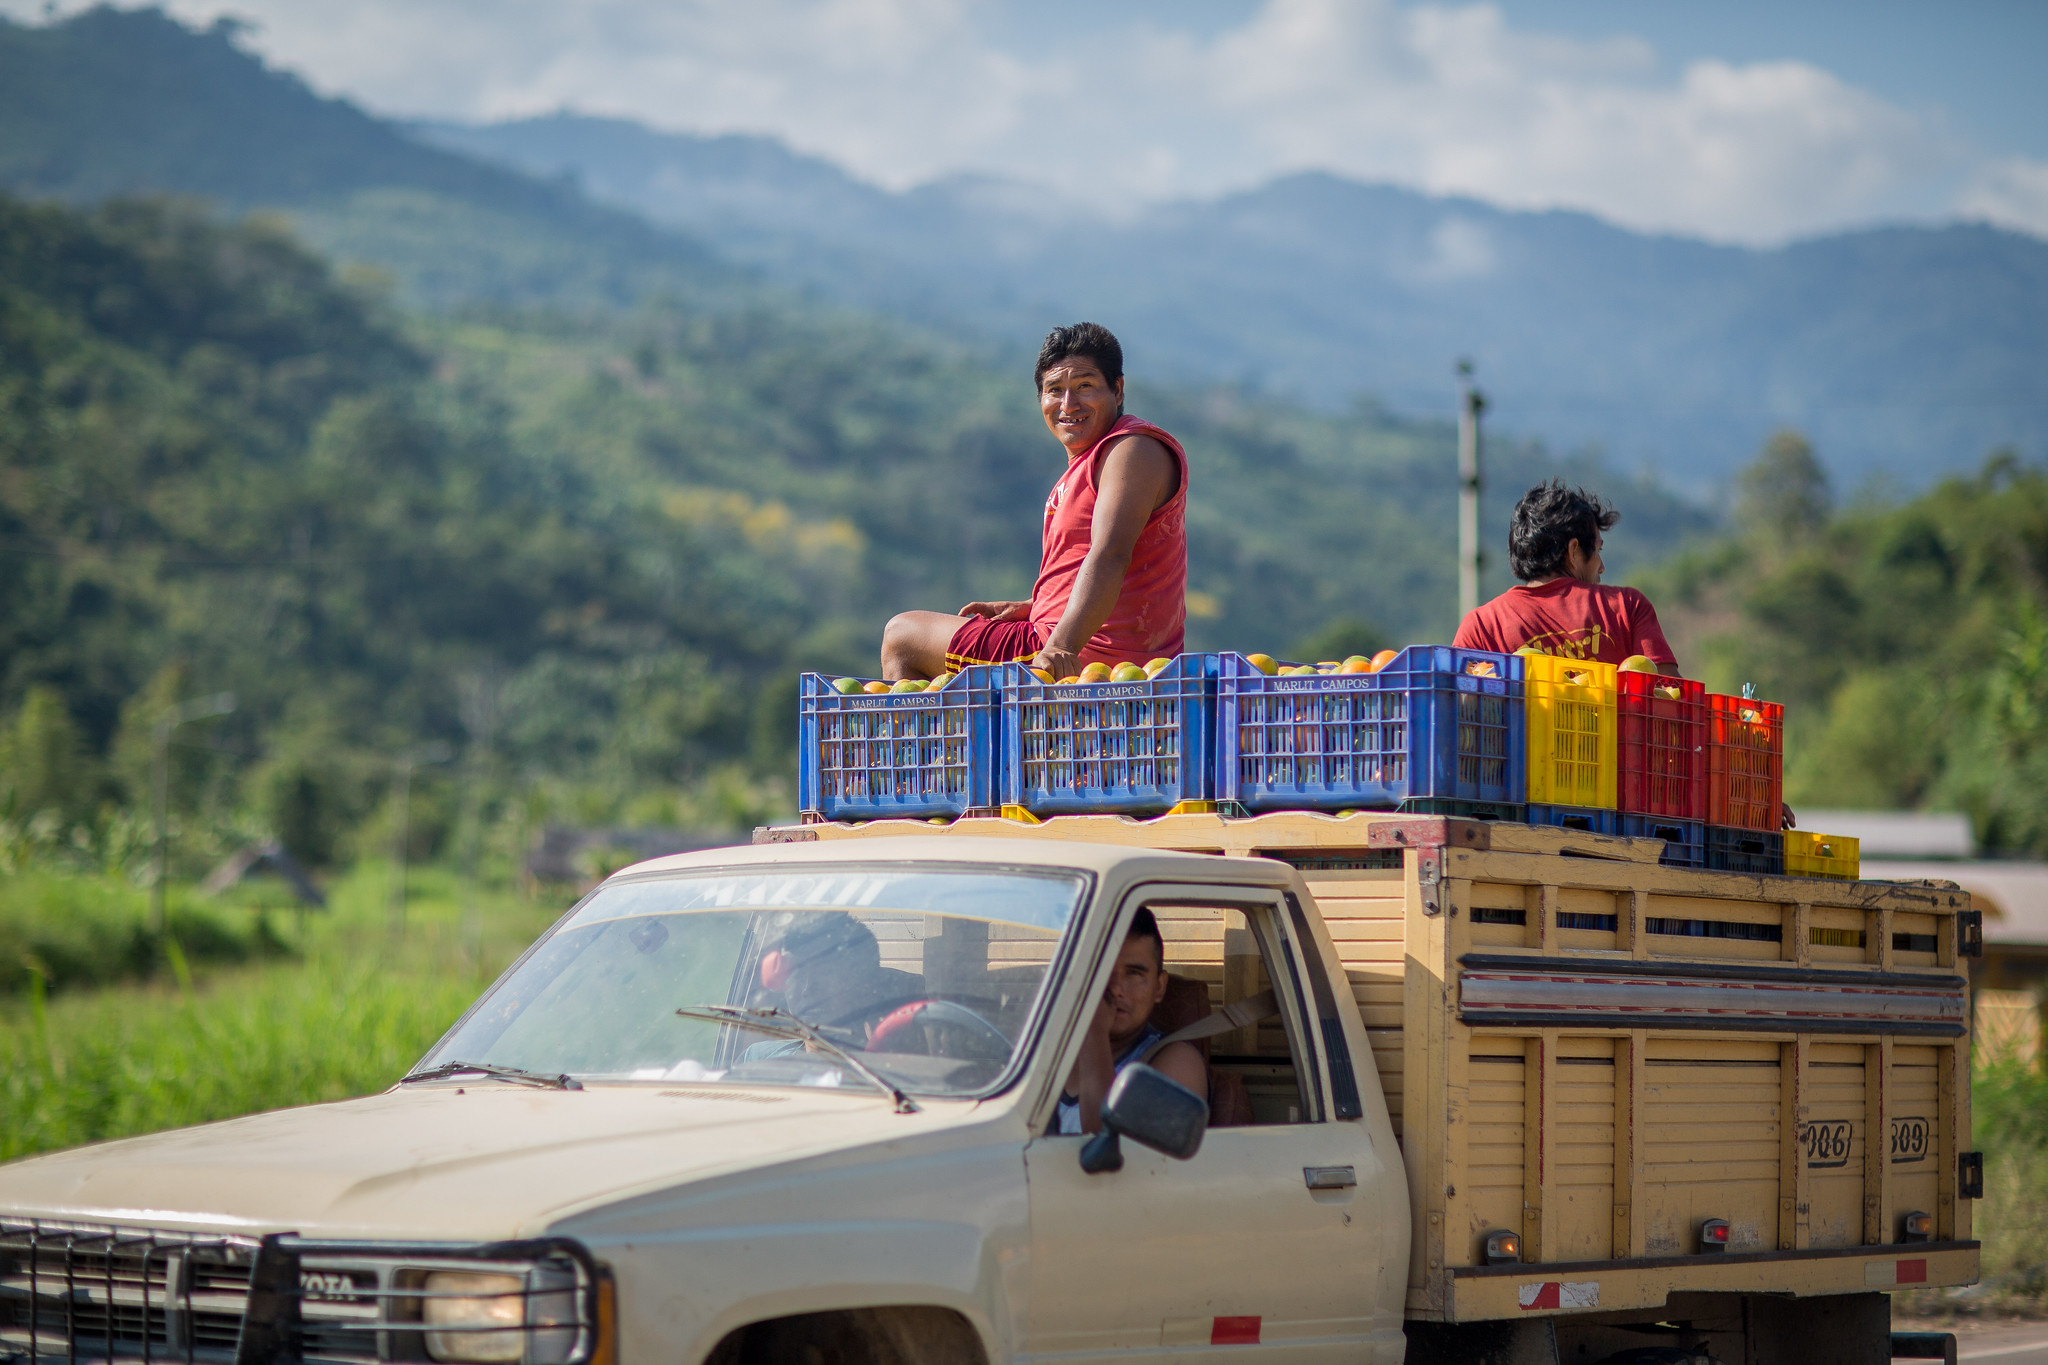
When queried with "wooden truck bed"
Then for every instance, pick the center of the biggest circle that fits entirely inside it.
(1598, 1052)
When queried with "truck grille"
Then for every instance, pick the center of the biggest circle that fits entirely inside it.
(97, 1293)
(88, 1294)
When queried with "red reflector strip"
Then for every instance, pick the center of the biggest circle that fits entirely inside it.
(1234, 1332)
(1912, 1272)
(1560, 1294)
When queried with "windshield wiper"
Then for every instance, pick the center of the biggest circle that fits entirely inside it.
(501, 1073)
(782, 1024)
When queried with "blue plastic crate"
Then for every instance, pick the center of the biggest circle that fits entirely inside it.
(897, 754)
(1133, 746)
(1435, 723)
(1590, 819)
(1745, 850)
(1685, 841)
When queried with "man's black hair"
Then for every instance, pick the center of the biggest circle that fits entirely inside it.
(1547, 520)
(1144, 925)
(1082, 341)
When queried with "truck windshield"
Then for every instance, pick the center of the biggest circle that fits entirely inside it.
(929, 975)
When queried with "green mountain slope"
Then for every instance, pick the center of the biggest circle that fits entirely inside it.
(593, 551)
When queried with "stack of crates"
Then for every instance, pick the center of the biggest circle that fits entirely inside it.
(1437, 730)
(1573, 746)
(892, 755)
(1143, 747)
(1745, 784)
(1663, 777)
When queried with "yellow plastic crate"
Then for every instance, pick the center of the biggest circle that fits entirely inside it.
(1574, 756)
(1811, 854)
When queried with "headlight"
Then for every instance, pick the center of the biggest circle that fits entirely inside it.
(475, 1318)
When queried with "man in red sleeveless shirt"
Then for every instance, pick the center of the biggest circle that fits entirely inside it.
(1561, 606)
(1113, 573)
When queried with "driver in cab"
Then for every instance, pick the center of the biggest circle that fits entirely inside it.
(1122, 1032)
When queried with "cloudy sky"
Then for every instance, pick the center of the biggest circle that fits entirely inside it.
(1737, 120)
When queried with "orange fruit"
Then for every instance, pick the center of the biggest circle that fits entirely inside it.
(1263, 662)
(1095, 672)
(1383, 658)
(1041, 675)
(1355, 664)
(876, 687)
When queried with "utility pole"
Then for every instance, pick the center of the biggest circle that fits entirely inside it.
(401, 805)
(1471, 403)
(219, 704)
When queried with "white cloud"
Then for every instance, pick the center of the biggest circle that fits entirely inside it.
(1444, 97)
(2012, 192)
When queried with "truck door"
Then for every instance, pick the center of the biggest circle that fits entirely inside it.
(1287, 1230)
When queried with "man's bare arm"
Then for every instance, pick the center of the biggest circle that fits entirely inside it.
(1137, 476)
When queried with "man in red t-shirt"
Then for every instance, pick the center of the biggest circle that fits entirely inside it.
(1561, 606)
(1113, 568)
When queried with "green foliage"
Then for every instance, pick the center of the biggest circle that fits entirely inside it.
(345, 1015)
(44, 766)
(1909, 641)
(63, 929)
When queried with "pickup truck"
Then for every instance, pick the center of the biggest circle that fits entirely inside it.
(1477, 1092)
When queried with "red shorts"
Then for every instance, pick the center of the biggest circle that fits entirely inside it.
(985, 641)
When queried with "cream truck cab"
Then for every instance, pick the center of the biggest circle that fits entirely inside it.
(795, 1102)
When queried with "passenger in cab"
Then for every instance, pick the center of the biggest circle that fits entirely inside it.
(1561, 606)
(1122, 1032)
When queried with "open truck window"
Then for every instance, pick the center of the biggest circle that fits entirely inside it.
(1220, 956)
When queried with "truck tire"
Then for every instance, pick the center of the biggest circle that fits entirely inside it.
(855, 1336)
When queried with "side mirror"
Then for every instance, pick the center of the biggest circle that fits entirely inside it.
(1152, 1109)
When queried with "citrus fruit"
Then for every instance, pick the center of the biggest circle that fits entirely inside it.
(1383, 658)
(1154, 665)
(1638, 663)
(910, 685)
(1041, 674)
(1263, 662)
(846, 687)
(942, 680)
(1095, 672)
(1070, 678)
(1357, 663)
(1127, 673)
(874, 687)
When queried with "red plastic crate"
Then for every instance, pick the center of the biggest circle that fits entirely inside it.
(1745, 763)
(1663, 746)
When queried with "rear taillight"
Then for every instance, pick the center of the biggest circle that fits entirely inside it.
(1503, 1247)
(1714, 1235)
(1917, 1227)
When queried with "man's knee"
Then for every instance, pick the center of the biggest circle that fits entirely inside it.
(904, 631)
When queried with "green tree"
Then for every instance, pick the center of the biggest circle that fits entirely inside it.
(1784, 491)
(44, 766)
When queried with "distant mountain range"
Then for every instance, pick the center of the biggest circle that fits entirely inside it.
(113, 102)
(1903, 352)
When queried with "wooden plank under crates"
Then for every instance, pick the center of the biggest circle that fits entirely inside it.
(1599, 1052)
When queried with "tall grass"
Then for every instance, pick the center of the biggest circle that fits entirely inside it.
(2010, 1102)
(344, 1014)
(67, 927)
